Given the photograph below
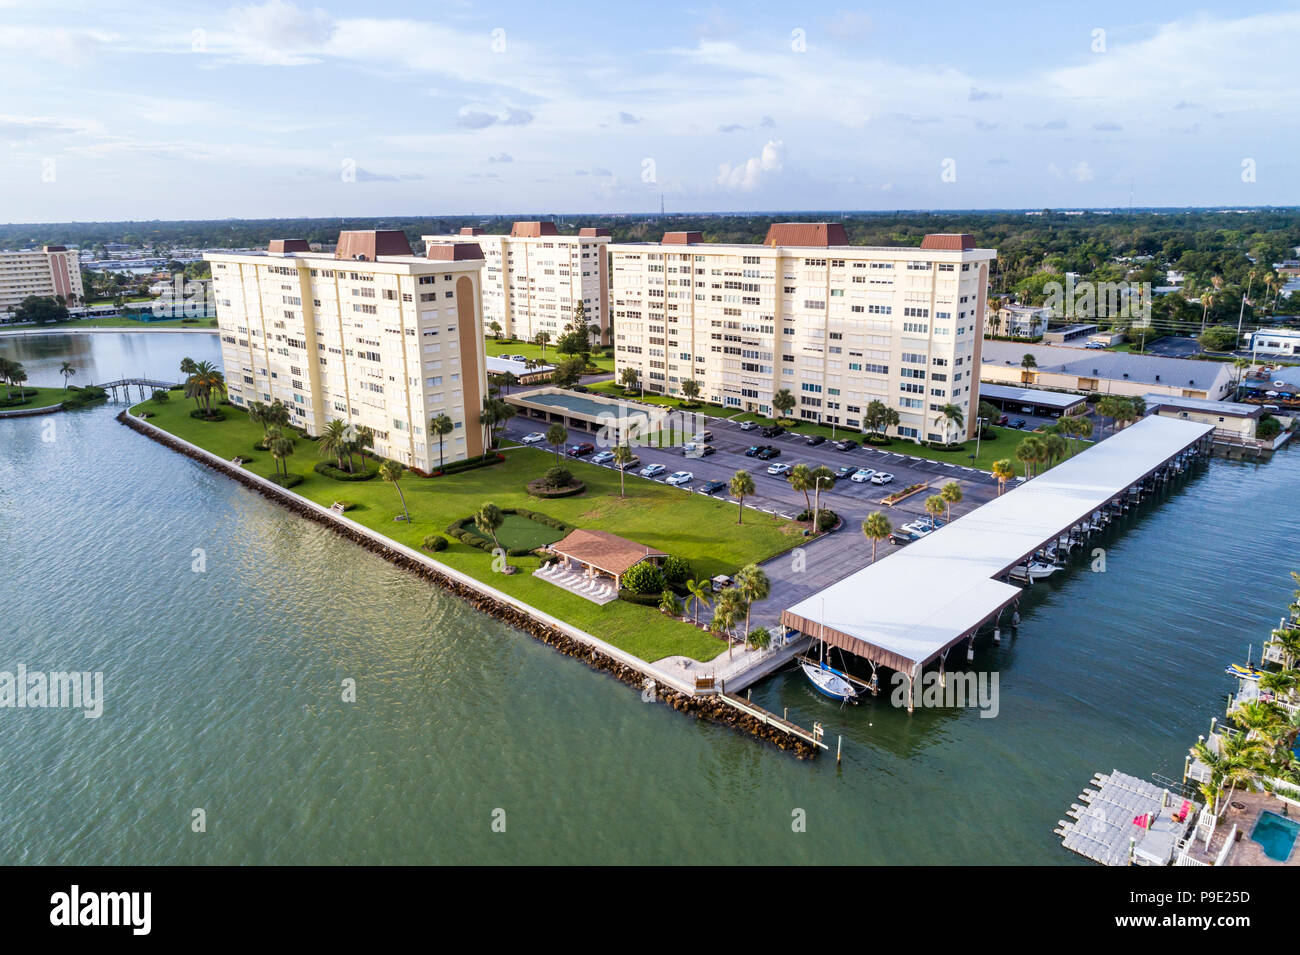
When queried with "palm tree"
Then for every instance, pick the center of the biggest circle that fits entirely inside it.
(206, 381)
(1055, 447)
(188, 368)
(541, 340)
(726, 610)
(760, 638)
(628, 378)
(392, 471)
(508, 379)
(1004, 471)
(622, 458)
(6, 370)
(700, 590)
(877, 528)
(280, 447)
(1281, 683)
(495, 327)
(441, 425)
(363, 438)
(488, 519)
(669, 604)
(753, 585)
(1288, 642)
(1028, 363)
(800, 478)
(257, 415)
(1261, 720)
(951, 494)
(952, 417)
(1029, 451)
(742, 484)
(783, 402)
(1207, 299)
(556, 435)
(935, 506)
(334, 441)
(66, 370)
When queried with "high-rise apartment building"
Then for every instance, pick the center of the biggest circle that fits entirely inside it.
(52, 272)
(838, 325)
(371, 334)
(534, 278)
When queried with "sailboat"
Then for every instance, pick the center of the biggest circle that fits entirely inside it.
(829, 680)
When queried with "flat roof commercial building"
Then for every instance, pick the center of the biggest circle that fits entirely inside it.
(534, 278)
(371, 334)
(50, 272)
(838, 325)
(1107, 372)
(1240, 420)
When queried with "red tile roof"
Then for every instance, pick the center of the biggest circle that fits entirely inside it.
(368, 245)
(532, 230)
(682, 238)
(288, 245)
(948, 242)
(816, 234)
(453, 251)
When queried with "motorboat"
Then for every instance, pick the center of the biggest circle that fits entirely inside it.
(1033, 570)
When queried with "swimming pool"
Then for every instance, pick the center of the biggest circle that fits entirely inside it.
(1276, 834)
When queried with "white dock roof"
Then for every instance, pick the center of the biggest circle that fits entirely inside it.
(906, 609)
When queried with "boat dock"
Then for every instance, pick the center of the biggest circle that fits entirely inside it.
(1127, 821)
(750, 708)
(892, 614)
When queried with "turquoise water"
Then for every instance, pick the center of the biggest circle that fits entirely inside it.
(224, 688)
(1276, 835)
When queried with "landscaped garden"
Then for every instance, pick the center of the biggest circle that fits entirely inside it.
(497, 349)
(702, 530)
(29, 397)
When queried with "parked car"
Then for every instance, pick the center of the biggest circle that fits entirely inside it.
(713, 487)
(747, 426)
(768, 453)
(699, 450)
(779, 469)
(518, 358)
(629, 465)
(863, 475)
(752, 450)
(901, 536)
(1094, 345)
(580, 450)
(772, 431)
(845, 444)
(678, 478)
(814, 440)
(602, 457)
(653, 470)
(534, 437)
(1002, 419)
(844, 471)
(882, 477)
(703, 437)
(1018, 423)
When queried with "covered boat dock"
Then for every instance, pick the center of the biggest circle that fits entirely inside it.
(911, 607)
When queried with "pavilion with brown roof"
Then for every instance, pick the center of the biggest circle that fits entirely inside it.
(600, 552)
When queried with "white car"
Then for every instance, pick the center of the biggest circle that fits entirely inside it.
(747, 426)
(882, 477)
(653, 470)
(863, 475)
(678, 478)
(602, 457)
(779, 469)
(919, 528)
(535, 437)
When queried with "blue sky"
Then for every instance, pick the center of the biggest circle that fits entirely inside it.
(207, 110)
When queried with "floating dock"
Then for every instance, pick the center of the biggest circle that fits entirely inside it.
(1126, 821)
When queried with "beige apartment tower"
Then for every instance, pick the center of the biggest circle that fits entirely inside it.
(372, 334)
(534, 278)
(838, 325)
(53, 272)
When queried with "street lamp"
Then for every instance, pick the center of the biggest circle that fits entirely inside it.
(979, 433)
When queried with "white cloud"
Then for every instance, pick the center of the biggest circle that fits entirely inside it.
(747, 175)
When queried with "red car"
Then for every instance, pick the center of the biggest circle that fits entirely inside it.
(1003, 419)
(580, 450)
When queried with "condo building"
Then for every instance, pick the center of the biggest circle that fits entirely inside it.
(838, 325)
(534, 278)
(52, 272)
(372, 334)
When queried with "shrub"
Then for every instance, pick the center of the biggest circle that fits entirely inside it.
(161, 396)
(325, 469)
(558, 477)
(469, 464)
(826, 518)
(538, 488)
(435, 542)
(1268, 427)
(645, 600)
(200, 415)
(676, 570)
(644, 578)
(286, 480)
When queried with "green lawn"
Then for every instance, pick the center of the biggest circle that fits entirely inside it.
(701, 529)
(495, 348)
(33, 397)
(667, 401)
(518, 532)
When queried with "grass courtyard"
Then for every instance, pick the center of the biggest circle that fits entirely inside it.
(701, 529)
(529, 350)
(32, 397)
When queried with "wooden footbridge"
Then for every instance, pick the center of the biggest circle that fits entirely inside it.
(146, 387)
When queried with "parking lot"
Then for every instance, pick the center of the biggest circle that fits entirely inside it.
(834, 556)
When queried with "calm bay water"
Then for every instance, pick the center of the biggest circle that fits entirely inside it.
(223, 687)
